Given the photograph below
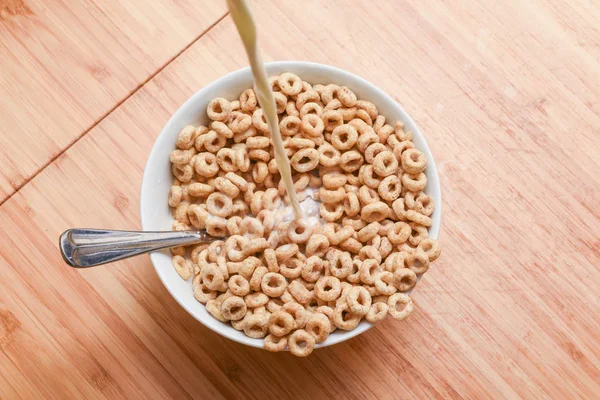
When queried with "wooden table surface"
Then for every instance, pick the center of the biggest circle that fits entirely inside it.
(507, 94)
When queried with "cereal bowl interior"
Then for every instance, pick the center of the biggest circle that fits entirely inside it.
(157, 179)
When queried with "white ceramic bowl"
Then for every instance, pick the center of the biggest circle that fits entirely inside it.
(157, 180)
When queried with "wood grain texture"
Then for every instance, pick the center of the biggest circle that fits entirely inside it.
(507, 96)
(65, 64)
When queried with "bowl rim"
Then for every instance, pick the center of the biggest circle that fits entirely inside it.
(232, 76)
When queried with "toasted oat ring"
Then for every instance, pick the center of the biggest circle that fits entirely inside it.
(344, 137)
(286, 252)
(256, 299)
(242, 161)
(400, 299)
(175, 195)
(405, 279)
(235, 247)
(368, 195)
(340, 264)
(377, 211)
(273, 284)
(212, 277)
(367, 178)
(399, 233)
(329, 156)
(418, 218)
(206, 164)
(332, 196)
(259, 121)
(233, 308)
(369, 107)
(305, 160)
(351, 204)
(373, 150)
(328, 93)
(424, 204)
(300, 293)
(238, 285)
(248, 100)
(299, 231)
(413, 161)
(399, 209)
(418, 262)
(257, 275)
(400, 147)
(219, 109)
(312, 270)
(312, 125)
(346, 96)
(384, 283)
(297, 311)
(290, 125)
(319, 326)
(384, 132)
(197, 216)
(344, 319)
(260, 171)
(299, 143)
(273, 343)
(368, 232)
(317, 245)
(328, 288)
(216, 226)
(418, 234)
(311, 108)
(258, 142)
(341, 235)
(331, 212)
(377, 312)
(332, 119)
(239, 122)
(222, 129)
(202, 293)
(351, 161)
(252, 228)
(291, 109)
(334, 181)
(182, 266)
(215, 250)
(281, 323)
(290, 84)
(358, 300)
(307, 97)
(180, 157)
(301, 343)
(271, 199)
(226, 159)
(256, 326)
(218, 204)
(370, 251)
(198, 189)
(390, 187)
(414, 183)
(431, 248)
(366, 139)
(395, 261)
(368, 269)
(226, 187)
(291, 268)
(385, 164)
(280, 102)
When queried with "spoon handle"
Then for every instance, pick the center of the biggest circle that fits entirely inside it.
(82, 248)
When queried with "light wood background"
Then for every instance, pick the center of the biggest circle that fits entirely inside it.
(508, 96)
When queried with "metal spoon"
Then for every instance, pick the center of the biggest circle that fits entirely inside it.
(82, 248)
